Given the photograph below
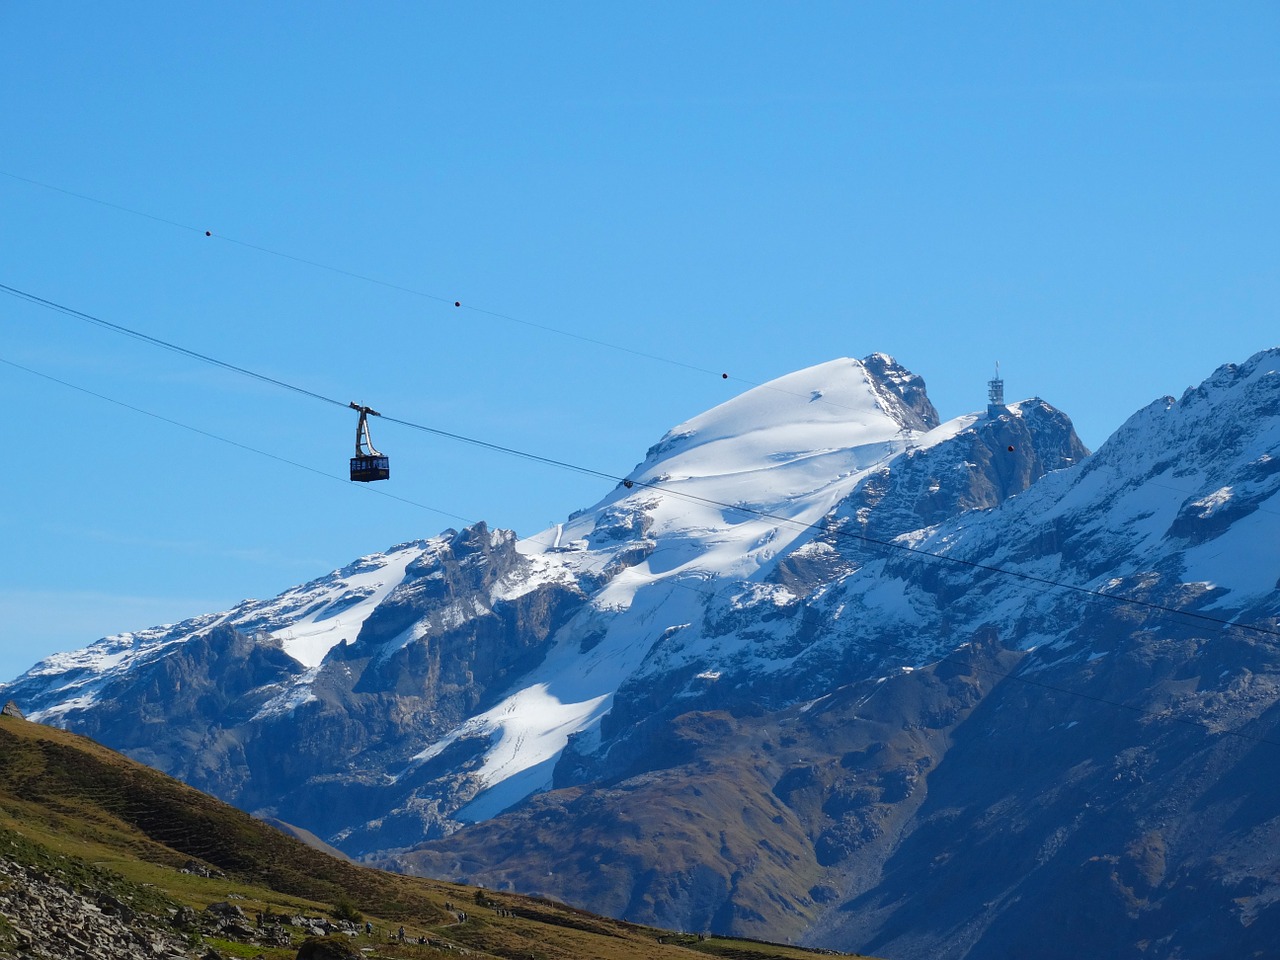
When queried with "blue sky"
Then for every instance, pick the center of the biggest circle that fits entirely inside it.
(1086, 192)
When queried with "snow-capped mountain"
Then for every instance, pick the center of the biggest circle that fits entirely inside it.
(821, 667)
(617, 593)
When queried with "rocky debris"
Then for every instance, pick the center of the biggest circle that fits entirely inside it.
(201, 869)
(11, 710)
(274, 936)
(44, 920)
(225, 910)
(321, 926)
(227, 921)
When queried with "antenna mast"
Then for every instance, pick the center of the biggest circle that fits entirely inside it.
(995, 394)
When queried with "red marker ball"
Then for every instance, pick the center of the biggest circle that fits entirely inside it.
(1011, 449)
(724, 376)
(457, 303)
(208, 234)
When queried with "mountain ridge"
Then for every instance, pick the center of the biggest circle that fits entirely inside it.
(511, 701)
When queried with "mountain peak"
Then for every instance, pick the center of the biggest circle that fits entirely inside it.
(908, 387)
(784, 438)
(724, 492)
(832, 400)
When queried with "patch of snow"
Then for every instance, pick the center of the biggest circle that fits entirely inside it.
(1211, 504)
(291, 698)
(1244, 561)
(527, 731)
(339, 606)
(53, 714)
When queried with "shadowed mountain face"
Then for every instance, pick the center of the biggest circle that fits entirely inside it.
(818, 672)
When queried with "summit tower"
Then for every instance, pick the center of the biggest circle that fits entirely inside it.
(995, 395)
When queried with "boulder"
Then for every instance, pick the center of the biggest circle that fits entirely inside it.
(227, 910)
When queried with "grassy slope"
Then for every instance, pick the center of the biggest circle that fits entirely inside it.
(103, 823)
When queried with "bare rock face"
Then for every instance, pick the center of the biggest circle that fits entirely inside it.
(905, 387)
(11, 710)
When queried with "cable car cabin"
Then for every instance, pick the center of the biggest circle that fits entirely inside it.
(368, 464)
(370, 468)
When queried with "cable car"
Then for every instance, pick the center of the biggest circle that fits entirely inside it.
(368, 464)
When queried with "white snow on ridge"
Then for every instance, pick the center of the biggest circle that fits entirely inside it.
(336, 607)
(340, 604)
(119, 651)
(832, 429)
(78, 676)
(1245, 560)
(528, 731)
(1213, 502)
(51, 715)
(827, 421)
(786, 453)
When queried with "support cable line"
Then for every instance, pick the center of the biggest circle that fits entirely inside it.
(365, 278)
(227, 440)
(547, 328)
(103, 203)
(158, 342)
(401, 288)
(680, 584)
(656, 486)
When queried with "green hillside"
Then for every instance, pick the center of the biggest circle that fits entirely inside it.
(134, 844)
